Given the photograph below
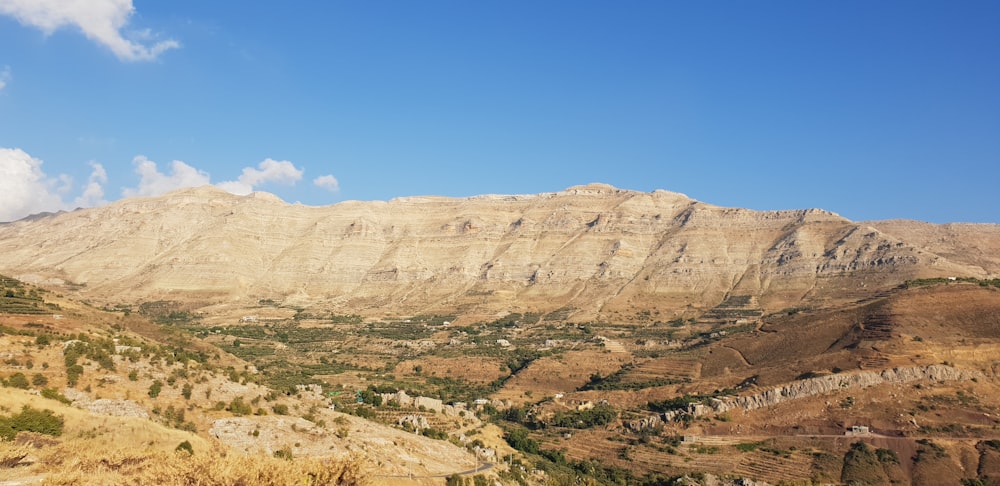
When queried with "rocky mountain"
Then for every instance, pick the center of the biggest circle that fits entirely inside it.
(592, 249)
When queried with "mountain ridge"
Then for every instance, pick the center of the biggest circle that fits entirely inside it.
(592, 248)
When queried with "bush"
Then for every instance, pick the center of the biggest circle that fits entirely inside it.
(18, 380)
(31, 420)
(39, 380)
(53, 394)
(582, 419)
(284, 453)
(73, 374)
(239, 407)
(280, 409)
(518, 439)
(186, 447)
(435, 434)
(371, 397)
(155, 388)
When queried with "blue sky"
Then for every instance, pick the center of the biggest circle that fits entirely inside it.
(873, 110)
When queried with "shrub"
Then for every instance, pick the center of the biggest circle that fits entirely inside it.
(18, 380)
(887, 456)
(599, 415)
(435, 434)
(31, 420)
(239, 407)
(747, 446)
(371, 397)
(39, 380)
(280, 409)
(518, 439)
(155, 388)
(73, 374)
(186, 447)
(53, 394)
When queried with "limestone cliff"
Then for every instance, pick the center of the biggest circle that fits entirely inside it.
(589, 248)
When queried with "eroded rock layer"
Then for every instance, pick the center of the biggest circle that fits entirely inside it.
(589, 248)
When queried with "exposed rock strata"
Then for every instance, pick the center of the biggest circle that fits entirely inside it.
(105, 406)
(826, 384)
(589, 248)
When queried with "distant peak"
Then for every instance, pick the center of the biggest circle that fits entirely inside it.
(265, 196)
(600, 188)
(210, 191)
(593, 188)
(203, 190)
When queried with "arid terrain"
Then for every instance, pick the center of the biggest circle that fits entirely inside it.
(592, 335)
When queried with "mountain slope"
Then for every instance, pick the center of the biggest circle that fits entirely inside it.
(970, 243)
(591, 248)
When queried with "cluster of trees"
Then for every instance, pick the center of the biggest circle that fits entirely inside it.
(602, 414)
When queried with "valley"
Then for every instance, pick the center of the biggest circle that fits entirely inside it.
(592, 335)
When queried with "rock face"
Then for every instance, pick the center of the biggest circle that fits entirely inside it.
(825, 384)
(590, 248)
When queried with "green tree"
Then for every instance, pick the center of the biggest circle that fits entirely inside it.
(518, 439)
(155, 388)
(371, 397)
(73, 374)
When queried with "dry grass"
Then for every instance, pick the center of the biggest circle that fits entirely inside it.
(11, 454)
(68, 464)
(103, 450)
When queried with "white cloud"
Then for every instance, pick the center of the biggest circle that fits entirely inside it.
(152, 182)
(100, 20)
(26, 190)
(327, 182)
(270, 170)
(4, 77)
(93, 192)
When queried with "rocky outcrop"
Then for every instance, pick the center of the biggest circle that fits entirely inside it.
(827, 384)
(588, 248)
(119, 408)
(105, 406)
(648, 422)
(415, 422)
